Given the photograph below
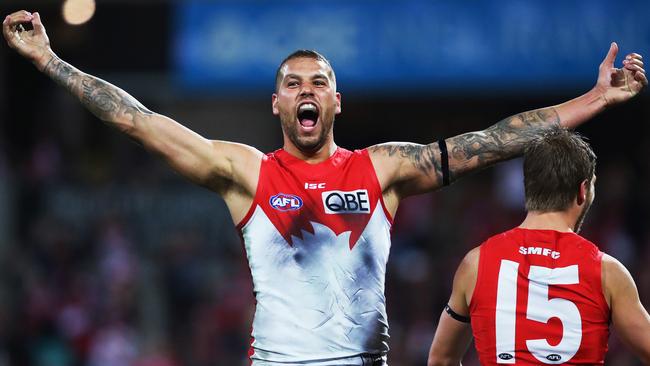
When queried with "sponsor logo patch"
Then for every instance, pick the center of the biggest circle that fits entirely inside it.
(314, 185)
(285, 202)
(505, 356)
(553, 357)
(346, 202)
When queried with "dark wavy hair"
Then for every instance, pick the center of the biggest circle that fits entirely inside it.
(554, 167)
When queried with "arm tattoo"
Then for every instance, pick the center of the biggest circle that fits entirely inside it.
(425, 158)
(108, 102)
(474, 150)
(501, 141)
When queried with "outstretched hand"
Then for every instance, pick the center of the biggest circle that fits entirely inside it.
(31, 44)
(619, 85)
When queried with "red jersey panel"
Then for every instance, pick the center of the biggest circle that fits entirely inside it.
(539, 300)
(342, 192)
(317, 239)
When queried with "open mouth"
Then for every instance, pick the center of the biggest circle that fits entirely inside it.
(308, 114)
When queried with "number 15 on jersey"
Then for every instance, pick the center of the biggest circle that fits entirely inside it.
(540, 309)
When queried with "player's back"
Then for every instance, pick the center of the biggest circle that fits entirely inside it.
(539, 299)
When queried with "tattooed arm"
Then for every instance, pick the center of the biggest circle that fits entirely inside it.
(107, 102)
(217, 165)
(405, 169)
(205, 162)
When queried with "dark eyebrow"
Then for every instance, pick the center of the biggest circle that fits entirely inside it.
(296, 76)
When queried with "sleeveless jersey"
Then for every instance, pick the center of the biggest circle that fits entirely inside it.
(317, 238)
(538, 300)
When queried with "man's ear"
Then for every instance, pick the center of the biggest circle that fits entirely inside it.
(338, 102)
(274, 104)
(583, 191)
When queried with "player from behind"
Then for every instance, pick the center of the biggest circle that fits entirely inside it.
(540, 293)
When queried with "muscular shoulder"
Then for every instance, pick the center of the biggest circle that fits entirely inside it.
(470, 261)
(467, 273)
(241, 167)
(616, 279)
(407, 168)
(386, 158)
(613, 269)
(236, 180)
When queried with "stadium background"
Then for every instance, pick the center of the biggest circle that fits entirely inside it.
(108, 258)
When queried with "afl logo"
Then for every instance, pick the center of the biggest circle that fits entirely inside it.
(505, 356)
(285, 202)
(553, 357)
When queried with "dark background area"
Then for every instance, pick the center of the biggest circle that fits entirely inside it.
(107, 257)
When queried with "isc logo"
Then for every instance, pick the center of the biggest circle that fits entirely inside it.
(285, 202)
(342, 202)
(314, 185)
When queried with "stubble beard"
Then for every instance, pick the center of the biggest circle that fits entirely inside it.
(581, 218)
(306, 144)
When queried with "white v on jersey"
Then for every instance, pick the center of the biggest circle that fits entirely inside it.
(318, 260)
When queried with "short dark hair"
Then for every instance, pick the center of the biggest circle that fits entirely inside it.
(302, 54)
(554, 167)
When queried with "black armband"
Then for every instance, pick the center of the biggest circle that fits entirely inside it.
(444, 161)
(455, 315)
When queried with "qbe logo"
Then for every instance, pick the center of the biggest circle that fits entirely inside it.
(285, 202)
(346, 202)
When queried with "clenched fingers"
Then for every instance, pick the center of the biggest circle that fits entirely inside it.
(633, 67)
(11, 23)
(633, 55)
(641, 77)
(633, 61)
(21, 16)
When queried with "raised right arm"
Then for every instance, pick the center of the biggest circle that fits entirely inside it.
(206, 162)
(405, 169)
(629, 317)
(220, 166)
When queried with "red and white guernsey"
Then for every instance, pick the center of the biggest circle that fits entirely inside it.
(539, 300)
(317, 238)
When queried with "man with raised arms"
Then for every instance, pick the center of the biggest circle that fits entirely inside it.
(315, 217)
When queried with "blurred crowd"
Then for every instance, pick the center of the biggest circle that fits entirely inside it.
(108, 258)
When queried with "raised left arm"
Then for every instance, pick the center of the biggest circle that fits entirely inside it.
(406, 169)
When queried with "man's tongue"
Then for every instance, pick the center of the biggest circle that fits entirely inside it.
(307, 122)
